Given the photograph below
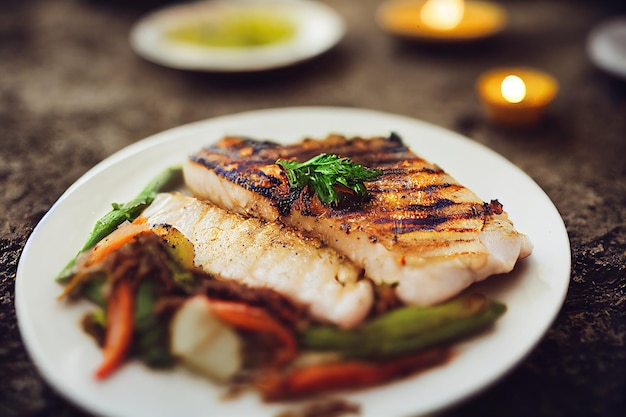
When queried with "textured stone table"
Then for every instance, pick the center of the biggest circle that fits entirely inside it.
(72, 93)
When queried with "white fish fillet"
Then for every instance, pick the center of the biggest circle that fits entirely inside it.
(270, 255)
(422, 230)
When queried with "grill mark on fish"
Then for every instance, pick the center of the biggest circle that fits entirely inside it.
(415, 216)
(246, 173)
(381, 159)
(430, 217)
(236, 172)
(429, 221)
(389, 171)
(407, 225)
(439, 204)
(381, 187)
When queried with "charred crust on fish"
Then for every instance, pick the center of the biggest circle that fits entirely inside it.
(494, 207)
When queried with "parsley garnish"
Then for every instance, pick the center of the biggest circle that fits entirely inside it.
(326, 173)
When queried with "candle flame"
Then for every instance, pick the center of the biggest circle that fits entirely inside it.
(513, 89)
(442, 14)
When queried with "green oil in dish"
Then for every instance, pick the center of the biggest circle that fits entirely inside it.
(235, 29)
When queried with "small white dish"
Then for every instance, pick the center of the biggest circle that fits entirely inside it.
(317, 28)
(606, 46)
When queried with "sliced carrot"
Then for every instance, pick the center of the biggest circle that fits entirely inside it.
(318, 378)
(140, 220)
(247, 317)
(76, 279)
(119, 331)
(118, 238)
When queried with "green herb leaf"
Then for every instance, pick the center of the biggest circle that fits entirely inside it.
(325, 173)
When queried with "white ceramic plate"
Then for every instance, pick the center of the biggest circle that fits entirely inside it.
(606, 46)
(318, 28)
(66, 356)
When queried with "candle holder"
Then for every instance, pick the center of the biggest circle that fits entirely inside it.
(441, 20)
(516, 96)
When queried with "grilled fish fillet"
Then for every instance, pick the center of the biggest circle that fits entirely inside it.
(269, 255)
(420, 230)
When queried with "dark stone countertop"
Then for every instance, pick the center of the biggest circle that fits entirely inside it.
(72, 92)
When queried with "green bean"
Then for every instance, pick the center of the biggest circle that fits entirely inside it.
(408, 329)
(151, 343)
(166, 180)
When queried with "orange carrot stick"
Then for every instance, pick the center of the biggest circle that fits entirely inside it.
(257, 319)
(119, 331)
(106, 246)
(351, 374)
(115, 241)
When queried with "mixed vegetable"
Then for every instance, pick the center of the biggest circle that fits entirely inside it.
(154, 305)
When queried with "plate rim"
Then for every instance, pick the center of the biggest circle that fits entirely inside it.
(158, 139)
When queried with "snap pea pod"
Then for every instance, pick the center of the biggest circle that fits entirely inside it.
(407, 329)
(166, 180)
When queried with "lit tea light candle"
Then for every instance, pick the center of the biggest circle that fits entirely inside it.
(442, 14)
(516, 96)
(441, 20)
(513, 89)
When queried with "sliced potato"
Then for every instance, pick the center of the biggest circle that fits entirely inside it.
(203, 342)
(181, 247)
